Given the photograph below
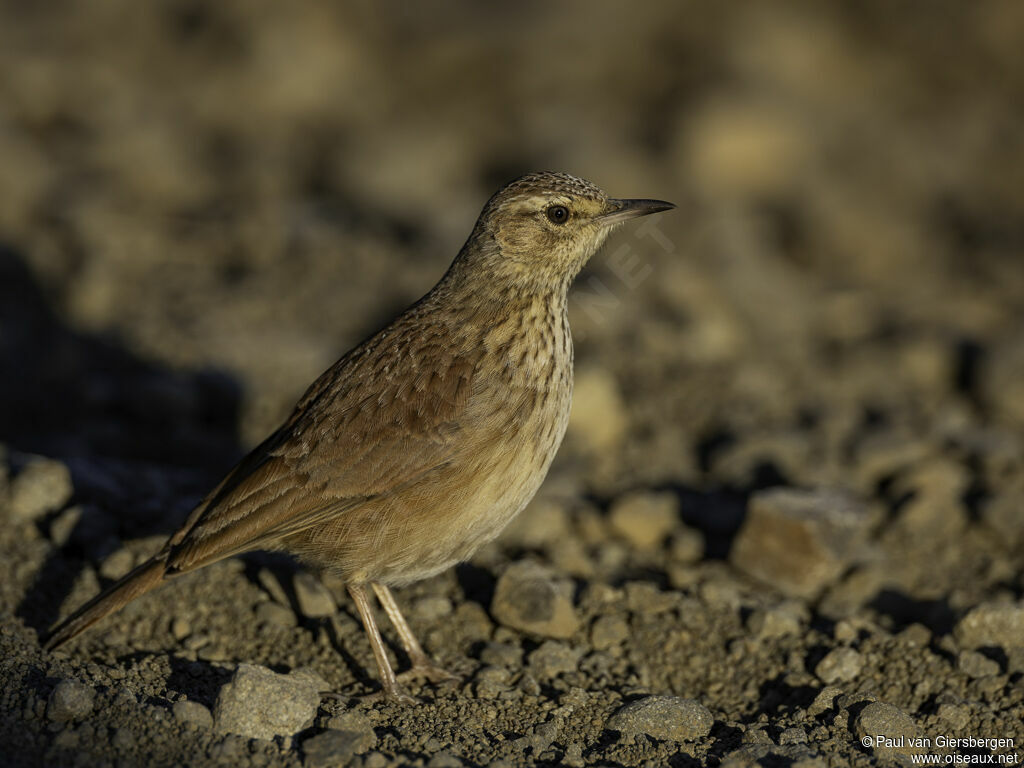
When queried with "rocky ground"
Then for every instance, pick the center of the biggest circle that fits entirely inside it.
(789, 513)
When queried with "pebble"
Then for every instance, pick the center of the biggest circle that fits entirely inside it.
(975, 664)
(892, 724)
(824, 701)
(313, 598)
(358, 723)
(491, 682)
(334, 748)
(798, 541)
(553, 658)
(839, 665)
(608, 632)
(70, 700)
(687, 546)
(432, 608)
(530, 598)
(646, 598)
(782, 620)
(444, 760)
(192, 712)
(41, 486)
(541, 738)
(644, 519)
(501, 655)
(992, 624)
(269, 612)
(261, 704)
(668, 718)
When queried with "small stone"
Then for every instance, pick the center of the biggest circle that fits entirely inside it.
(553, 658)
(669, 718)
(261, 704)
(975, 664)
(314, 599)
(800, 541)
(529, 597)
(687, 546)
(63, 525)
(181, 628)
(375, 760)
(956, 713)
(272, 585)
(501, 655)
(193, 713)
(491, 682)
(992, 624)
(890, 729)
(358, 723)
(793, 735)
(269, 612)
(824, 701)
(41, 486)
(608, 631)
(444, 760)
(333, 748)
(432, 608)
(573, 757)
(645, 597)
(541, 738)
(70, 700)
(839, 665)
(782, 620)
(644, 519)
(117, 564)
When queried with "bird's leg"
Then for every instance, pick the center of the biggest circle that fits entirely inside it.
(422, 664)
(388, 681)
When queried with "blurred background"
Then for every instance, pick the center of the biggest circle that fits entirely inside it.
(202, 205)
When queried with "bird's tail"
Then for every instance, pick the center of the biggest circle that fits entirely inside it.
(139, 581)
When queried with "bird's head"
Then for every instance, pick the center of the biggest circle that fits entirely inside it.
(542, 228)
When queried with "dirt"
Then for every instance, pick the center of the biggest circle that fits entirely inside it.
(786, 526)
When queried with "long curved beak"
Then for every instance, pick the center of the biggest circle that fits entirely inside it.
(620, 210)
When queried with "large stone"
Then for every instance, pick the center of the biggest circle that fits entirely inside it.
(800, 541)
(669, 718)
(531, 598)
(262, 704)
(992, 624)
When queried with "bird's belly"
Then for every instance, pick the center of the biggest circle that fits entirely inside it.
(442, 520)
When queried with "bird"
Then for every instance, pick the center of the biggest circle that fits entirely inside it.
(423, 442)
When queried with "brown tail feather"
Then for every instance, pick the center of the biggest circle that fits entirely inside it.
(144, 578)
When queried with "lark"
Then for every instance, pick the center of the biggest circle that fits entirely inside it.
(424, 441)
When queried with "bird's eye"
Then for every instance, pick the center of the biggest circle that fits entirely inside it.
(558, 214)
